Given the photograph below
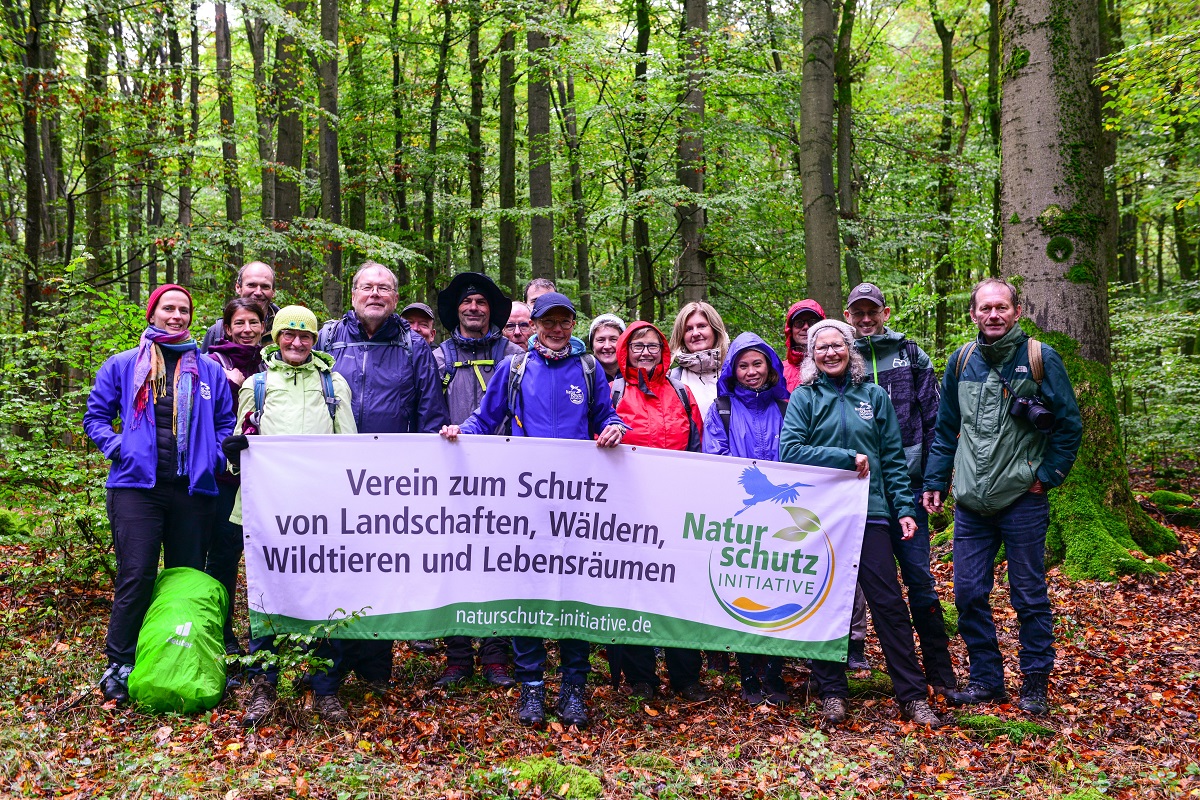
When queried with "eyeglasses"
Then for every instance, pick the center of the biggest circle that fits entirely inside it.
(645, 347)
(561, 324)
(517, 326)
(375, 288)
(829, 348)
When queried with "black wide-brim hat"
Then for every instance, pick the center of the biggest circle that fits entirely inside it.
(468, 283)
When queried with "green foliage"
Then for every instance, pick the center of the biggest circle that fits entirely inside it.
(551, 777)
(14, 524)
(877, 684)
(950, 618)
(296, 653)
(989, 727)
(1165, 498)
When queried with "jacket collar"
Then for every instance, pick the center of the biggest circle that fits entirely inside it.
(1000, 351)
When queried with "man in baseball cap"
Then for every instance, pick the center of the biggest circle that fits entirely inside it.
(420, 318)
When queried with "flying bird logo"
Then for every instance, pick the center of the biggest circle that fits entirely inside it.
(760, 489)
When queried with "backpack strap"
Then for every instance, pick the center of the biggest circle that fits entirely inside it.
(516, 374)
(617, 389)
(685, 398)
(964, 355)
(724, 410)
(589, 377)
(331, 399)
(326, 346)
(1037, 368)
(222, 359)
(260, 391)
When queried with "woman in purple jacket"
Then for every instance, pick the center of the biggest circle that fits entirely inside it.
(745, 421)
(158, 412)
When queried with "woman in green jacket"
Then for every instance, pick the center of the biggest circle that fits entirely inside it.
(837, 419)
(301, 395)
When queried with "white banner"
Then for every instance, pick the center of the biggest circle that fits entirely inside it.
(497, 536)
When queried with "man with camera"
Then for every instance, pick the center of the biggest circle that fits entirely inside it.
(1009, 428)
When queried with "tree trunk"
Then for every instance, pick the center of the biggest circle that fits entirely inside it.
(95, 146)
(508, 162)
(354, 151)
(289, 152)
(475, 141)
(541, 190)
(1127, 240)
(400, 174)
(432, 267)
(647, 291)
(777, 63)
(30, 32)
(570, 124)
(1052, 205)
(993, 100)
(327, 134)
(848, 183)
(230, 180)
(943, 272)
(821, 262)
(188, 147)
(689, 152)
(265, 107)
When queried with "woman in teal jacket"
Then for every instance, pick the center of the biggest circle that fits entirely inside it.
(837, 419)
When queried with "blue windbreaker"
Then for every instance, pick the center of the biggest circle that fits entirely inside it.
(134, 452)
(755, 418)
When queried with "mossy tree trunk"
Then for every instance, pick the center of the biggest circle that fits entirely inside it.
(1052, 207)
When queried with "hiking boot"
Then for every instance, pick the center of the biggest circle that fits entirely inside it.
(379, 688)
(497, 675)
(330, 709)
(752, 691)
(918, 711)
(776, 692)
(531, 708)
(693, 693)
(856, 659)
(833, 709)
(261, 703)
(570, 707)
(425, 646)
(454, 675)
(641, 691)
(114, 683)
(1034, 686)
(974, 694)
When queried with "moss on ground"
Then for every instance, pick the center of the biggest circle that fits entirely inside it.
(989, 727)
(1165, 498)
(878, 684)
(949, 618)
(553, 778)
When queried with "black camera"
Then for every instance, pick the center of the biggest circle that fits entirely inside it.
(1034, 410)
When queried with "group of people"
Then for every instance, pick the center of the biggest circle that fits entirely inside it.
(174, 416)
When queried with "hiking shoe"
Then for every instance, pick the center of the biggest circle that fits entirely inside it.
(693, 693)
(425, 646)
(114, 683)
(330, 709)
(497, 675)
(642, 691)
(752, 691)
(856, 659)
(261, 703)
(531, 708)
(379, 688)
(454, 675)
(833, 709)
(974, 694)
(918, 711)
(776, 692)
(570, 707)
(1033, 700)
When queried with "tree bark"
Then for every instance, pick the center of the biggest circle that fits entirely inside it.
(1053, 209)
(475, 66)
(28, 30)
(508, 162)
(689, 153)
(265, 107)
(95, 146)
(541, 190)
(821, 262)
(570, 124)
(993, 100)
(647, 291)
(432, 267)
(1127, 240)
(400, 173)
(289, 151)
(327, 134)
(354, 151)
(230, 180)
(943, 271)
(777, 63)
(848, 183)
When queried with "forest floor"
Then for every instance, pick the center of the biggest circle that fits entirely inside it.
(1125, 697)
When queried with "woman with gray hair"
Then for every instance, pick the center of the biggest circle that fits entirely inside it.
(837, 419)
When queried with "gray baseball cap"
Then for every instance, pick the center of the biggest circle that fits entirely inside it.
(424, 309)
(866, 291)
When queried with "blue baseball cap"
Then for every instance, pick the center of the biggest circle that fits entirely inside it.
(551, 300)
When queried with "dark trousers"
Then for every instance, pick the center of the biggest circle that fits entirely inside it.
(144, 523)
(225, 554)
(877, 577)
(323, 683)
(927, 617)
(369, 659)
(770, 668)
(460, 651)
(529, 656)
(638, 664)
(1021, 528)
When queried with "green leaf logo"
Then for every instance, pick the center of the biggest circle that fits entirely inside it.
(806, 522)
(790, 534)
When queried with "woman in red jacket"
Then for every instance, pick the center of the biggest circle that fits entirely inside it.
(660, 412)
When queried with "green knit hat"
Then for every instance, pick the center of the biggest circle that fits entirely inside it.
(294, 318)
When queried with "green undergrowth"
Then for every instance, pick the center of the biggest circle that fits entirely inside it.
(553, 778)
(1097, 530)
(989, 727)
(878, 684)
(949, 618)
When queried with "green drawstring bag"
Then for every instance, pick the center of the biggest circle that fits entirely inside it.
(180, 662)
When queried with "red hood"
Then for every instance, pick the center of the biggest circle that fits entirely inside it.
(793, 357)
(628, 372)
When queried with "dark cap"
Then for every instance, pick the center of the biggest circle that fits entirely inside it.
(462, 286)
(809, 305)
(424, 309)
(551, 300)
(866, 291)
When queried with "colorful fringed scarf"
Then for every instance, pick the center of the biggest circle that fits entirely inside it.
(150, 377)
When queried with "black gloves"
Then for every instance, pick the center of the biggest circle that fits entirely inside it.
(233, 447)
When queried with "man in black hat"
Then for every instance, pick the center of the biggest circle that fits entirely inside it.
(474, 310)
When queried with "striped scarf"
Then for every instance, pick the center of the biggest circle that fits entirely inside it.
(150, 377)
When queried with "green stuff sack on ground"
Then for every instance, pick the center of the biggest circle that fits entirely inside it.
(180, 662)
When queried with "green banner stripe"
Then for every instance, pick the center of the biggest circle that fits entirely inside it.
(541, 618)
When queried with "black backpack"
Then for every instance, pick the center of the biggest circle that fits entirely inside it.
(694, 434)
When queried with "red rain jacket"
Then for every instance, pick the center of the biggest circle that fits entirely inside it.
(657, 419)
